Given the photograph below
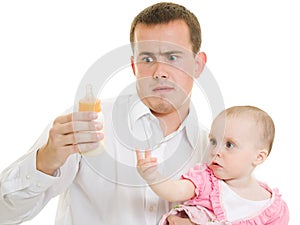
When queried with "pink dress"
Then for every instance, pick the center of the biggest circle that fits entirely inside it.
(208, 206)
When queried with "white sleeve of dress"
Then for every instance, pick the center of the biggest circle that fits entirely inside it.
(24, 190)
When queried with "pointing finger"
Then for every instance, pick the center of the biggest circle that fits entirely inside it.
(147, 154)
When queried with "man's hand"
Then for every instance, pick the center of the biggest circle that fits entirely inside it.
(176, 220)
(72, 133)
(147, 166)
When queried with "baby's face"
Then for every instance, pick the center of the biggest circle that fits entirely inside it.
(233, 146)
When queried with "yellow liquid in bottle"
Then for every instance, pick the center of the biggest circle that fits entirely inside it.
(91, 104)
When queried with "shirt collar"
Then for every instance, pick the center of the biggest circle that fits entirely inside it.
(138, 110)
(193, 128)
(191, 124)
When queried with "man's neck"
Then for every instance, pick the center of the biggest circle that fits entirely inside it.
(170, 122)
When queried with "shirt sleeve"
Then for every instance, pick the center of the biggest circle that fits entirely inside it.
(24, 190)
(282, 218)
(278, 213)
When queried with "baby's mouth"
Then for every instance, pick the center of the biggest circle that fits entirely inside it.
(216, 164)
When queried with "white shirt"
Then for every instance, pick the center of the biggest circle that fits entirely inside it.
(107, 189)
(236, 207)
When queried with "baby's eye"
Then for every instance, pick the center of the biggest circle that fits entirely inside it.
(212, 141)
(229, 145)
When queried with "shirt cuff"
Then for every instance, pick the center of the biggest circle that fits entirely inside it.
(24, 175)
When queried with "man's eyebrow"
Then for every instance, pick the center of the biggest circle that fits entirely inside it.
(145, 53)
(172, 52)
(162, 53)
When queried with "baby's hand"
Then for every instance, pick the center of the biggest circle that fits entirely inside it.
(147, 166)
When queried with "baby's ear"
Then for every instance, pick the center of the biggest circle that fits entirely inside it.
(261, 156)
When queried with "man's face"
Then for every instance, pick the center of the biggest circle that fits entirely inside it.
(165, 66)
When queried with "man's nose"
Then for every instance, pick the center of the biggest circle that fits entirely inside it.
(160, 72)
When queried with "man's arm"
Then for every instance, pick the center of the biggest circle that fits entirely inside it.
(170, 190)
(176, 220)
(48, 169)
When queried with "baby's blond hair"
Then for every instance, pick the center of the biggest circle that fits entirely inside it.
(263, 121)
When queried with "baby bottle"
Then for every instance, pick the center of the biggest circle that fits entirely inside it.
(92, 104)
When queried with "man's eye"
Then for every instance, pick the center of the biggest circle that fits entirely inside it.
(147, 59)
(172, 57)
(229, 145)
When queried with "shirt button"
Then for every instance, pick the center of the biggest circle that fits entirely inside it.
(28, 177)
(39, 184)
(151, 208)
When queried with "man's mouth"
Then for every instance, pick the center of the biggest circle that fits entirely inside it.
(163, 89)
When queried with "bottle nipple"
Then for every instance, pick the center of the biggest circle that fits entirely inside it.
(89, 102)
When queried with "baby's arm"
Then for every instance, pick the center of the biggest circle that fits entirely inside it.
(170, 190)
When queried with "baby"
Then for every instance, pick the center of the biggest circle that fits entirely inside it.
(224, 190)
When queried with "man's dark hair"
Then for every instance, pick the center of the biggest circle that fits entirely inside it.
(164, 12)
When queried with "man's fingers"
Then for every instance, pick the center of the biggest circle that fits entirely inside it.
(76, 116)
(79, 148)
(63, 119)
(86, 126)
(176, 220)
(84, 116)
(83, 137)
(65, 125)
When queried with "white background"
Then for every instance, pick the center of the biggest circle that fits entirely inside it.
(252, 48)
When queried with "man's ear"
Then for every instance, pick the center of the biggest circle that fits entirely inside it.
(132, 65)
(261, 156)
(200, 63)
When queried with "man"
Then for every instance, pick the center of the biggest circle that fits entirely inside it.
(106, 189)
